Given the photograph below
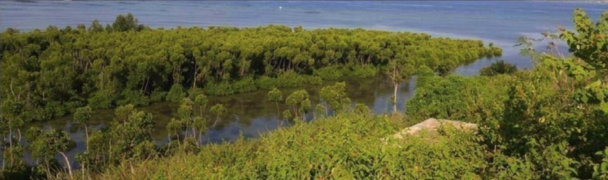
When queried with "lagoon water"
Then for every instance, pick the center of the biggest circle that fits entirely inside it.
(499, 22)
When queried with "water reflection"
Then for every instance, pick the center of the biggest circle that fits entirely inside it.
(250, 114)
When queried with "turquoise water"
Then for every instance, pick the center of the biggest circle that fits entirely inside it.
(499, 22)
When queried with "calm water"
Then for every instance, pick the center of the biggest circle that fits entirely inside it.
(492, 21)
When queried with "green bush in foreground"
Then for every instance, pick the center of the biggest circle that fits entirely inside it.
(552, 118)
(343, 147)
(350, 146)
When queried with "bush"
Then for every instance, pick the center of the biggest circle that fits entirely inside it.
(176, 93)
(246, 84)
(343, 147)
(218, 89)
(365, 71)
(459, 98)
(329, 73)
(499, 67)
(287, 80)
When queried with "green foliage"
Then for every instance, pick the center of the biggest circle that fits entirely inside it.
(545, 123)
(127, 138)
(342, 147)
(348, 72)
(287, 114)
(533, 118)
(329, 73)
(335, 97)
(589, 42)
(185, 109)
(124, 23)
(223, 88)
(498, 67)
(275, 95)
(201, 101)
(53, 71)
(458, 98)
(200, 126)
(176, 93)
(493, 51)
(46, 144)
(549, 121)
(299, 102)
(600, 170)
(83, 114)
(13, 165)
(175, 127)
(287, 80)
(218, 110)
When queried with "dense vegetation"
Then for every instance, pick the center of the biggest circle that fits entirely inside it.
(551, 121)
(545, 123)
(49, 73)
(348, 146)
(498, 67)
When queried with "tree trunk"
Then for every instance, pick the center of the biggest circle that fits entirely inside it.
(395, 98)
(216, 119)
(10, 136)
(242, 71)
(193, 131)
(19, 132)
(194, 76)
(67, 162)
(12, 91)
(179, 141)
(396, 86)
(200, 137)
(86, 132)
(84, 166)
(147, 83)
(295, 112)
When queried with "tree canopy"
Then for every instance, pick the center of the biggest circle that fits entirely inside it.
(51, 72)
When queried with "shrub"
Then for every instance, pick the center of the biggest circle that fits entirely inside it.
(499, 67)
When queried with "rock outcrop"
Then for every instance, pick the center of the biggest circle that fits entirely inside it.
(431, 125)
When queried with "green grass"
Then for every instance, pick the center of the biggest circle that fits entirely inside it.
(342, 147)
